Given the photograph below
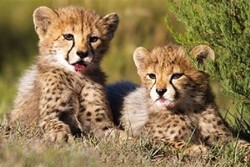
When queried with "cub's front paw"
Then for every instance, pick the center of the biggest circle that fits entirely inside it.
(196, 150)
(114, 133)
(58, 133)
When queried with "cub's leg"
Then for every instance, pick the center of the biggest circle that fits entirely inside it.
(178, 142)
(187, 148)
(214, 130)
(58, 106)
(94, 113)
(174, 132)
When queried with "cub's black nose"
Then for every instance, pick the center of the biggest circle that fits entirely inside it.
(160, 92)
(82, 54)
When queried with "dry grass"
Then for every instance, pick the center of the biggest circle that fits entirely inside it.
(23, 148)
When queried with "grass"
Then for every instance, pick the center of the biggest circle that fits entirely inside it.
(22, 148)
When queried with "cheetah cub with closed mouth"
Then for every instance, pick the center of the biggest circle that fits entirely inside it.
(64, 91)
(175, 105)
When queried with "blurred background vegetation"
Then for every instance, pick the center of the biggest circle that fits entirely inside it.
(141, 24)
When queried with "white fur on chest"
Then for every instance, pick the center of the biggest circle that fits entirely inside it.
(26, 84)
(135, 113)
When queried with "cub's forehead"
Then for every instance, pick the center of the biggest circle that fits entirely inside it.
(77, 14)
(170, 55)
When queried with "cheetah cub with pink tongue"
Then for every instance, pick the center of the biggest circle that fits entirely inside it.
(174, 104)
(63, 93)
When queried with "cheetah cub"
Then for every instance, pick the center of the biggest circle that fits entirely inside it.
(175, 105)
(63, 93)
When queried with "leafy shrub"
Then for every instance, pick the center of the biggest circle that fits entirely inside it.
(225, 26)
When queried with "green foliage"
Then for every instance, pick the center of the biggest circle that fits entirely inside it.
(225, 26)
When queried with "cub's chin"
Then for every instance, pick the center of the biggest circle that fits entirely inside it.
(163, 103)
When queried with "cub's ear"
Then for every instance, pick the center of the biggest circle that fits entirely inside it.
(202, 52)
(110, 22)
(42, 18)
(140, 57)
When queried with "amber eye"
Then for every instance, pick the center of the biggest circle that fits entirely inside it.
(93, 39)
(68, 37)
(176, 75)
(151, 76)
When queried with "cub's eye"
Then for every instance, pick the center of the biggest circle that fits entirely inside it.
(176, 75)
(93, 39)
(68, 37)
(151, 76)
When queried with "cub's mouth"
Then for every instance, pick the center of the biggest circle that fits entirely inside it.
(169, 104)
(80, 66)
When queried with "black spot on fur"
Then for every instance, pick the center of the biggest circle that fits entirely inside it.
(57, 98)
(105, 128)
(63, 103)
(98, 119)
(85, 94)
(98, 109)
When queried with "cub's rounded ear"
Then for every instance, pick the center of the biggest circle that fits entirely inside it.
(111, 22)
(140, 56)
(202, 52)
(42, 18)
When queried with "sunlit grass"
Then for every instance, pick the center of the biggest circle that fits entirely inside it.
(19, 148)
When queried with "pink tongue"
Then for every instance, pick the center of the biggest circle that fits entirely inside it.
(80, 68)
